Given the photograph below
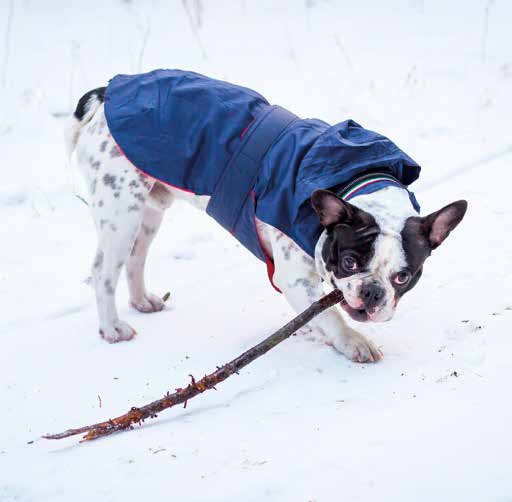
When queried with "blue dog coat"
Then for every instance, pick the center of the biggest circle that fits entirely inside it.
(213, 138)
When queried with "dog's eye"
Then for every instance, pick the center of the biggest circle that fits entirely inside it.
(402, 278)
(349, 263)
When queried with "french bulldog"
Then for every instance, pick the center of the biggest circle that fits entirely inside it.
(372, 248)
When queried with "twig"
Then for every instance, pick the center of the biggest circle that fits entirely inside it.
(485, 30)
(291, 50)
(344, 52)
(194, 27)
(198, 11)
(138, 415)
(146, 32)
(7, 45)
(74, 51)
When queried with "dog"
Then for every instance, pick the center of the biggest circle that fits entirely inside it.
(281, 185)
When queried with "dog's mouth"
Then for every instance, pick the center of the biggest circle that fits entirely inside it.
(363, 315)
(357, 314)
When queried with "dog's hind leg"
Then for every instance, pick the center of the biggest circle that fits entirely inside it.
(159, 199)
(118, 193)
(118, 212)
(140, 298)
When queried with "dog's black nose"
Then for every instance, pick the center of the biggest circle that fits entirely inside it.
(372, 295)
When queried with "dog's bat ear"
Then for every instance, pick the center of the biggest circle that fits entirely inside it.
(437, 226)
(330, 208)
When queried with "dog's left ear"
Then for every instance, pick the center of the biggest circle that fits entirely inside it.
(437, 226)
(330, 208)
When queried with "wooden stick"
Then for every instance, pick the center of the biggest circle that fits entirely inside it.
(138, 415)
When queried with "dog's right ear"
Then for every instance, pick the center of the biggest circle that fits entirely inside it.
(330, 208)
(437, 226)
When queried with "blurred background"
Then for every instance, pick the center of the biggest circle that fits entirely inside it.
(435, 76)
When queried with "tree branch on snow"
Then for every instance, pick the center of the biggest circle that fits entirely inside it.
(194, 388)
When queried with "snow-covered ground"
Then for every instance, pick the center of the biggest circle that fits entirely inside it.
(430, 422)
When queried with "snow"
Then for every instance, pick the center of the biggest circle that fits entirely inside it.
(430, 422)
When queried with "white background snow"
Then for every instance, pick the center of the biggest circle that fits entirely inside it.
(430, 422)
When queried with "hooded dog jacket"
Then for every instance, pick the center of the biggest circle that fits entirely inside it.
(214, 138)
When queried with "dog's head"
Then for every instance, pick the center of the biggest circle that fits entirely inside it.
(372, 262)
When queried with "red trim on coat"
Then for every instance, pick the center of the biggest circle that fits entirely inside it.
(246, 129)
(271, 268)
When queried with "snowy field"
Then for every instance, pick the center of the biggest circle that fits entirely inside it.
(431, 422)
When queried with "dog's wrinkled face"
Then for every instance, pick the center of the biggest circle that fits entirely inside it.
(372, 263)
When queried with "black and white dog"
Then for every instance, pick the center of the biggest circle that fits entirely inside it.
(373, 272)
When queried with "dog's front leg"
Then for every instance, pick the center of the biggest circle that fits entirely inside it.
(297, 278)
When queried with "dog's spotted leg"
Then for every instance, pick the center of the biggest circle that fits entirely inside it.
(117, 199)
(118, 219)
(140, 299)
(297, 278)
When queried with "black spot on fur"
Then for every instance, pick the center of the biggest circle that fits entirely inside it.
(148, 230)
(102, 125)
(83, 103)
(144, 180)
(307, 259)
(307, 285)
(133, 207)
(103, 146)
(98, 260)
(110, 181)
(114, 152)
(108, 287)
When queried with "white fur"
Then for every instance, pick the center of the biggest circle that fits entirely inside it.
(127, 207)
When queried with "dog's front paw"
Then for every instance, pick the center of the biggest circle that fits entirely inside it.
(148, 303)
(357, 348)
(120, 331)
